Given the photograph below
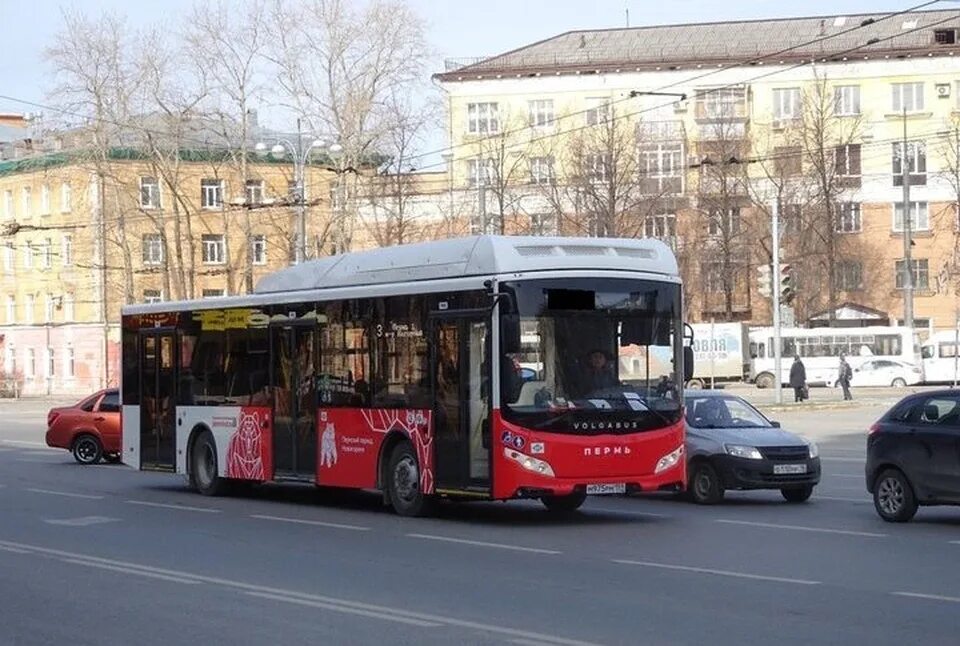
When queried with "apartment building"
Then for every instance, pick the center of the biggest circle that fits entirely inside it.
(691, 133)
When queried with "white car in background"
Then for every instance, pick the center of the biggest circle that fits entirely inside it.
(882, 372)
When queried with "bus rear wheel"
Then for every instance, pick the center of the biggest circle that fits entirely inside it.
(568, 503)
(764, 380)
(403, 483)
(204, 476)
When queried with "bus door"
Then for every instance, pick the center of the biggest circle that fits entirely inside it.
(460, 369)
(158, 395)
(293, 366)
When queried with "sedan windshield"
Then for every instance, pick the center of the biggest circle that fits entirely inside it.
(709, 411)
(588, 355)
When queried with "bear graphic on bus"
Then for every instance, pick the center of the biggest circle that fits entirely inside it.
(328, 446)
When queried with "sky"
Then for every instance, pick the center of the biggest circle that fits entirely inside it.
(455, 28)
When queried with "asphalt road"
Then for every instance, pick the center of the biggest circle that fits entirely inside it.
(107, 555)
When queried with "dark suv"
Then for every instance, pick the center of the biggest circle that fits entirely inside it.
(913, 455)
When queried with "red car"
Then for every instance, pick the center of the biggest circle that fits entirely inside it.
(90, 429)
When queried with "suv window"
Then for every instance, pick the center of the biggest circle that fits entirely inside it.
(110, 403)
(942, 411)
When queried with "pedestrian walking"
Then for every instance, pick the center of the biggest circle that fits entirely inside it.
(844, 377)
(798, 379)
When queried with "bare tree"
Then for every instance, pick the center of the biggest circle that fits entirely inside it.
(948, 151)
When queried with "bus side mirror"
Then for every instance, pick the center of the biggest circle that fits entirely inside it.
(687, 363)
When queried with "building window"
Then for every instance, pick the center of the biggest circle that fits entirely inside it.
(48, 308)
(45, 200)
(791, 219)
(846, 164)
(66, 250)
(31, 367)
(152, 249)
(919, 217)
(916, 163)
(920, 274)
(149, 193)
(479, 172)
(483, 118)
(787, 160)
(661, 160)
(66, 198)
(254, 189)
(69, 310)
(542, 224)
(152, 296)
(9, 205)
(848, 275)
(846, 100)
(8, 258)
(211, 193)
(214, 249)
(712, 277)
(721, 103)
(720, 223)
(598, 110)
(51, 363)
(11, 309)
(31, 306)
(26, 197)
(69, 362)
(907, 96)
(945, 36)
(541, 170)
(848, 217)
(213, 293)
(597, 167)
(258, 250)
(541, 113)
(27, 254)
(46, 253)
(662, 226)
(786, 104)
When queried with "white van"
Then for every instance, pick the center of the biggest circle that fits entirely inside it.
(938, 353)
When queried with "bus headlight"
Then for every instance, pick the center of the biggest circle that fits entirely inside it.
(670, 460)
(529, 463)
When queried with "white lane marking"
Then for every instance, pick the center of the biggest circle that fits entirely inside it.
(800, 528)
(858, 476)
(15, 550)
(238, 585)
(317, 523)
(860, 501)
(67, 494)
(955, 542)
(702, 570)
(125, 570)
(529, 642)
(932, 597)
(169, 506)
(628, 512)
(499, 546)
(838, 459)
(83, 521)
(346, 609)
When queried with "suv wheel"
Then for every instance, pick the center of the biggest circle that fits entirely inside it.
(893, 497)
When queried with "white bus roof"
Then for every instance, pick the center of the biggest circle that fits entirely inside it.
(474, 256)
(830, 331)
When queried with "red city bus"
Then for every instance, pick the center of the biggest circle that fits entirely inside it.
(481, 368)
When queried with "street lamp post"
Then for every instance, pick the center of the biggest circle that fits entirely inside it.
(300, 155)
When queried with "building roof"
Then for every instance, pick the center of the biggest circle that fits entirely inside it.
(629, 49)
(474, 256)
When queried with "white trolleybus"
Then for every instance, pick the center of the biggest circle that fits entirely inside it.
(478, 368)
(820, 350)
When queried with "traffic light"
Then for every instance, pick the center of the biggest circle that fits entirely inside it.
(764, 284)
(787, 291)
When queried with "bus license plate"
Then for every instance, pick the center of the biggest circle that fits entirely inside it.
(606, 489)
(789, 469)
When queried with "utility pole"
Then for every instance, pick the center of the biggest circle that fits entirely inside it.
(777, 345)
(907, 226)
(482, 196)
(298, 170)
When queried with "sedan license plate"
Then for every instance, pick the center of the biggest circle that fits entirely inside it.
(606, 489)
(789, 469)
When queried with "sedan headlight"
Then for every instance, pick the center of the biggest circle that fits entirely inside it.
(814, 450)
(669, 460)
(529, 463)
(739, 451)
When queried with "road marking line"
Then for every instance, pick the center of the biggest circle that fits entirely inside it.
(644, 514)
(701, 570)
(800, 528)
(318, 523)
(169, 506)
(339, 608)
(15, 550)
(837, 459)
(858, 476)
(933, 597)
(529, 642)
(955, 542)
(67, 494)
(499, 546)
(83, 521)
(861, 501)
(239, 585)
(125, 570)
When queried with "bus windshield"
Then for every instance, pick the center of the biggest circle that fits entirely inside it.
(591, 356)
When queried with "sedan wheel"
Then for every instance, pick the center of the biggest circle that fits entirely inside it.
(87, 449)
(705, 487)
(893, 497)
(899, 383)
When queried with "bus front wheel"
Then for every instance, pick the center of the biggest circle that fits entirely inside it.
(570, 502)
(403, 483)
